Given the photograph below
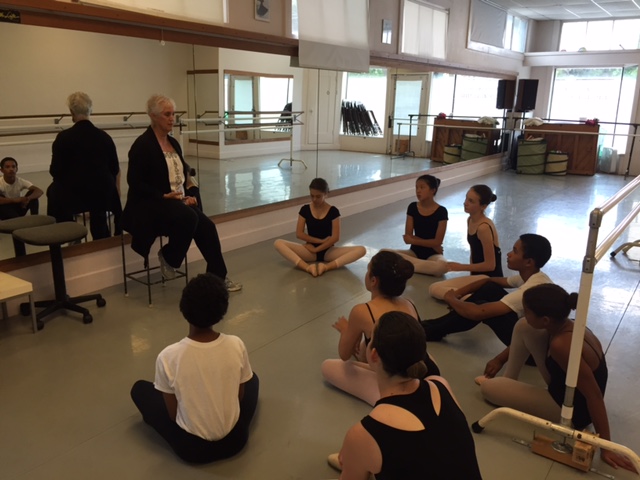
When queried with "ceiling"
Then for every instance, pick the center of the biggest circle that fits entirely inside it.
(571, 9)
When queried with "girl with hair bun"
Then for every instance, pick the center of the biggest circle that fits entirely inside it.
(424, 229)
(485, 255)
(417, 429)
(319, 228)
(386, 279)
(546, 333)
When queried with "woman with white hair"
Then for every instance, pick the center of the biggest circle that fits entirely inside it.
(85, 169)
(162, 198)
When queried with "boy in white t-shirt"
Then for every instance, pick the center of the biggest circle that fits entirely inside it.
(489, 302)
(205, 393)
(12, 203)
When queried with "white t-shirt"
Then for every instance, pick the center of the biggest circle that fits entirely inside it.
(513, 300)
(205, 378)
(13, 191)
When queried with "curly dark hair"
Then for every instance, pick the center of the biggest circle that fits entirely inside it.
(536, 247)
(204, 300)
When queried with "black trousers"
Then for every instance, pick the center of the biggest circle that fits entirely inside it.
(182, 223)
(188, 447)
(453, 322)
(63, 205)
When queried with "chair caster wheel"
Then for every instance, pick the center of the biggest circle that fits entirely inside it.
(613, 254)
(101, 302)
(87, 318)
(39, 324)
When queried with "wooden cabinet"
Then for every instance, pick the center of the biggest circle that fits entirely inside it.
(579, 141)
(450, 131)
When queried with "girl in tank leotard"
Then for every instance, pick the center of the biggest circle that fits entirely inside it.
(416, 430)
(546, 333)
(386, 279)
(485, 254)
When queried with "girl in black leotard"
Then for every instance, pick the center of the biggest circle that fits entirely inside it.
(386, 278)
(547, 336)
(319, 227)
(485, 255)
(416, 429)
(425, 228)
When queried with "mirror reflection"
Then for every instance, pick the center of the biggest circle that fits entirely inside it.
(255, 129)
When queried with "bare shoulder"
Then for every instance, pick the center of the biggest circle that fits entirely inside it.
(360, 454)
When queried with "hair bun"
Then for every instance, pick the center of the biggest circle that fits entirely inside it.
(493, 197)
(417, 370)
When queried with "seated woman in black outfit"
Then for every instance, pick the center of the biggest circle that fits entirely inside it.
(162, 199)
(416, 429)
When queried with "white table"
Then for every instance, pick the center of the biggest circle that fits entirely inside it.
(11, 287)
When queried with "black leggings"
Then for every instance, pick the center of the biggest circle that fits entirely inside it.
(187, 446)
(453, 322)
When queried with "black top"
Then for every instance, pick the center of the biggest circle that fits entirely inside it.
(425, 227)
(84, 166)
(477, 253)
(432, 367)
(444, 450)
(148, 179)
(557, 383)
(319, 227)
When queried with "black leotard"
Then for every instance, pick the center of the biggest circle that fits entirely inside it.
(319, 227)
(444, 450)
(477, 253)
(556, 388)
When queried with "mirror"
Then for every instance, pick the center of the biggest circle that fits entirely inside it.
(273, 162)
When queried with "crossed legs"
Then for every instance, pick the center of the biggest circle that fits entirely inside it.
(301, 258)
(435, 265)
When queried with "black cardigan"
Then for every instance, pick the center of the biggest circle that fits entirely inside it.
(148, 179)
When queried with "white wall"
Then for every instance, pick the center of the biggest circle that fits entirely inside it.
(48, 64)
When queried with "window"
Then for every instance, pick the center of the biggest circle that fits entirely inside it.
(603, 93)
(294, 18)
(600, 35)
(201, 11)
(516, 34)
(424, 30)
(462, 96)
(492, 28)
(369, 89)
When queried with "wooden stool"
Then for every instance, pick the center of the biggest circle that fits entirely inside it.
(11, 287)
(54, 236)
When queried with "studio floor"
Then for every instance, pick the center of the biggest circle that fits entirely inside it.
(64, 392)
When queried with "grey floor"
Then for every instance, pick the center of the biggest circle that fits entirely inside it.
(64, 392)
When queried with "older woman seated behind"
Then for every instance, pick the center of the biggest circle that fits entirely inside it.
(162, 198)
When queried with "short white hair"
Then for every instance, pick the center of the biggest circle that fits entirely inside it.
(79, 103)
(156, 102)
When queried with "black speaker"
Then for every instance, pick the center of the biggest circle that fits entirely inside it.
(506, 94)
(526, 97)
